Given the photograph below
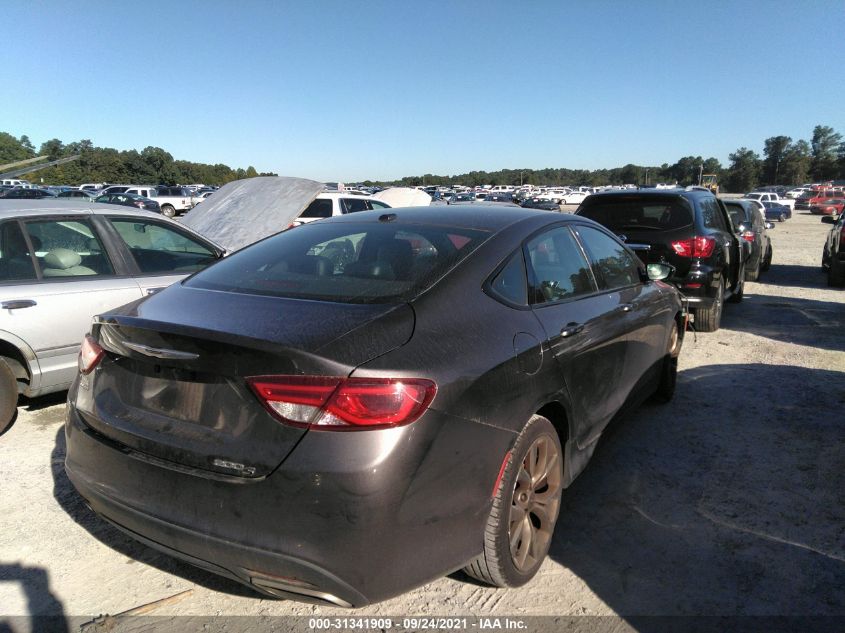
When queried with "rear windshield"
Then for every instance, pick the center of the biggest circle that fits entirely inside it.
(631, 214)
(348, 263)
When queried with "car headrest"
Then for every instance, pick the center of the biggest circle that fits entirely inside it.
(62, 258)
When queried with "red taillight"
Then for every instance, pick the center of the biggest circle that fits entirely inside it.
(701, 246)
(340, 404)
(90, 355)
(748, 236)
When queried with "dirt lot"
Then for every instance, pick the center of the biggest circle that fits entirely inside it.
(728, 501)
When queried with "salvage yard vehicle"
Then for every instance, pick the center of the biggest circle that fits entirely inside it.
(304, 413)
(752, 228)
(62, 262)
(689, 229)
(829, 206)
(833, 254)
(777, 211)
(129, 200)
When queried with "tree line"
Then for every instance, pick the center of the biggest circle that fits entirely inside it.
(784, 162)
(152, 165)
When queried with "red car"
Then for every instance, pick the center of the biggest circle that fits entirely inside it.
(828, 206)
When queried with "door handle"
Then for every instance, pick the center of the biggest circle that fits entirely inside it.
(571, 329)
(626, 307)
(17, 304)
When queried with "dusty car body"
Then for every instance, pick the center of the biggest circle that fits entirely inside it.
(303, 414)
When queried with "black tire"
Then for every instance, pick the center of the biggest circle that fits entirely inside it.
(498, 564)
(710, 319)
(8, 396)
(782, 218)
(168, 211)
(669, 371)
(767, 260)
(836, 272)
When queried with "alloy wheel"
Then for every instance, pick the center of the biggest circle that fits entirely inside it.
(534, 503)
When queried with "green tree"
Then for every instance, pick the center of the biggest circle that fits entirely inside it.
(11, 149)
(825, 144)
(796, 163)
(744, 170)
(775, 150)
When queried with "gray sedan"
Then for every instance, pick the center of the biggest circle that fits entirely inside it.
(62, 262)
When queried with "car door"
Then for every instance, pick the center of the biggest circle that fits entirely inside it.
(642, 314)
(583, 327)
(56, 274)
(158, 253)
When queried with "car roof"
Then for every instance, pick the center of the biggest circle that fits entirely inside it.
(67, 206)
(486, 217)
(650, 193)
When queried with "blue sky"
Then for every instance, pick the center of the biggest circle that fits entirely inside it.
(352, 90)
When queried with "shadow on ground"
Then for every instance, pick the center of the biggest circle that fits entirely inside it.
(72, 503)
(40, 599)
(790, 320)
(714, 506)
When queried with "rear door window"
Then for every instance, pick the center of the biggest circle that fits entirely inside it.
(318, 209)
(558, 269)
(613, 265)
(68, 248)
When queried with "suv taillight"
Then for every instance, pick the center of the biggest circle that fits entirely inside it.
(90, 355)
(700, 246)
(748, 236)
(343, 404)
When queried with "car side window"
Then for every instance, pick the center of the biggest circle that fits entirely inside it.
(162, 249)
(320, 208)
(614, 266)
(558, 268)
(15, 256)
(68, 248)
(712, 215)
(510, 283)
(353, 205)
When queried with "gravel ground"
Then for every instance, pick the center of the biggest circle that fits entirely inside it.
(728, 501)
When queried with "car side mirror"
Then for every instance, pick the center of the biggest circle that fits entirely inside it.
(828, 219)
(770, 225)
(657, 272)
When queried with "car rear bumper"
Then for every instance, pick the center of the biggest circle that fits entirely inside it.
(334, 531)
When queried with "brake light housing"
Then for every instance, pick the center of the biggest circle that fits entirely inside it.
(748, 236)
(699, 246)
(343, 404)
(90, 355)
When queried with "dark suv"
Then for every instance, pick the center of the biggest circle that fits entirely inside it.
(751, 227)
(689, 229)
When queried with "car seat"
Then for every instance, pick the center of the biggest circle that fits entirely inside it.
(63, 262)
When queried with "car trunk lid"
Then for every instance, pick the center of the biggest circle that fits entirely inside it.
(173, 382)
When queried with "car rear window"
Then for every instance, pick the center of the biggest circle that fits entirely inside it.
(344, 262)
(632, 214)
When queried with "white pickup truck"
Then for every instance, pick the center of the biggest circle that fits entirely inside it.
(172, 200)
(765, 196)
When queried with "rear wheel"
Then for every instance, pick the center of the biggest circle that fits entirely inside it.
(8, 396)
(782, 217)
(168, 210)
(522, 521)
(709, 319)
